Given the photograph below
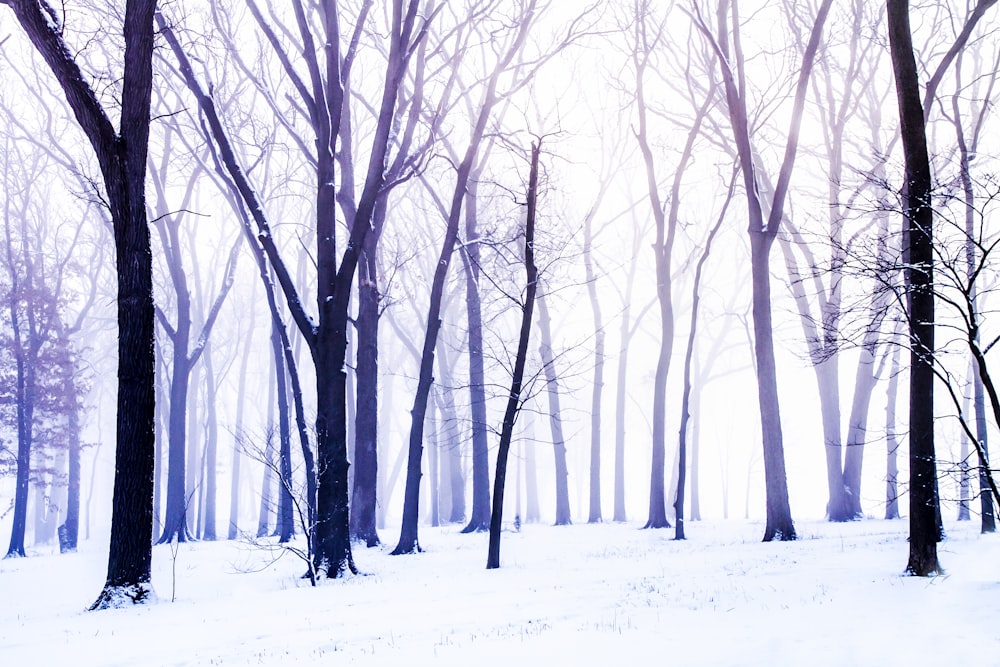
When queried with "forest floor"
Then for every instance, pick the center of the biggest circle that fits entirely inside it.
(607, 594)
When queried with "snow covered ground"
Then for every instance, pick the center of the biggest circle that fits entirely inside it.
(606, 594)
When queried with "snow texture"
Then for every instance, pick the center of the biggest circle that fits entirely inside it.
(606, 594)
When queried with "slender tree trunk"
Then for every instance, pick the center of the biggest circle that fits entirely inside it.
(211, 450)
(964, 478)
(238, 436)
(480, 516)
(70, 529)
(892, 440)
(267, 483)
(695, 410)
(285, 522)
(432, 464)
(682, 448)
(598, 384)
(445, 397)
(531, 510)
(555, 415)
(16, 548)
(514, 399)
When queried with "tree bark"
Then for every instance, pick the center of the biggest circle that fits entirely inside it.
(122, 158)
(917, 205)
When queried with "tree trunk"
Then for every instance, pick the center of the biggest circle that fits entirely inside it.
(433, 465)
(285, 523)
(365, 496)
(531, 510)
(924, 530)
(682, 448)
(563, 517)
(238, 437)
(211, 449)
(480, 517)
(267, 483)
(598, 384)
(514, 399)
(891, 440)
(452, 443)
(70, 529)
(779, 517)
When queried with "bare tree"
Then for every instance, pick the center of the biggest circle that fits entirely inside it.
(514, 400)
(121, 155)
(763, 230)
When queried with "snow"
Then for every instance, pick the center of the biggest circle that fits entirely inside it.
(608, 594)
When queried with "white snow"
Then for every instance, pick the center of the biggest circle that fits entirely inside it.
(607, 594)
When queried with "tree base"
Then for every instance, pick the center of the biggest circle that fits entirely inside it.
(122, 597)
(477, 526)
(923, 561)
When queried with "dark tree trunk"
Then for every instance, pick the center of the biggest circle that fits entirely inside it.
(563, 517)
(924, 529)
(514, 399)
(122, 158)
